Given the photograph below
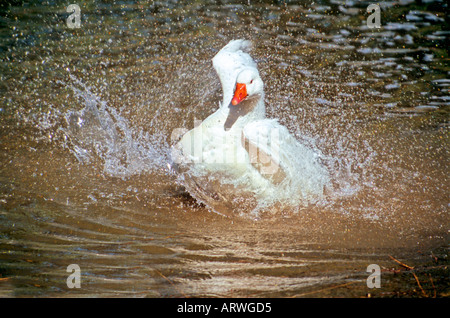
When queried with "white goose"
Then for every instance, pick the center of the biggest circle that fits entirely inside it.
(236, 160)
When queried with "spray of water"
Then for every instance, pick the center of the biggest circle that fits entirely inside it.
(98, 134)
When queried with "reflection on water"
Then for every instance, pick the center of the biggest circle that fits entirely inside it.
(86, 121)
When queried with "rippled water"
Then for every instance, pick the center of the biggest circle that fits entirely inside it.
(87, 118)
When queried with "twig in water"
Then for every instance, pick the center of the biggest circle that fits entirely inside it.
(400, 263)
(410, 268)
(171, 283)
(418, 283)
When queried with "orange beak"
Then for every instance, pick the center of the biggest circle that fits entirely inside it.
(239, 94)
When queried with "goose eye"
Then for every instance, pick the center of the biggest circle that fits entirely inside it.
(251, 82)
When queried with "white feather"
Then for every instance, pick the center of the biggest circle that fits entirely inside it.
(228, 63)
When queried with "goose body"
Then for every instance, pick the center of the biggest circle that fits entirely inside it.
(237, 160)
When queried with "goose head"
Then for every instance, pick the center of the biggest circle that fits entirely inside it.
(249, 86)
(248, 99)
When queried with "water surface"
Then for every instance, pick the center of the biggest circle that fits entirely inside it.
(87, 117)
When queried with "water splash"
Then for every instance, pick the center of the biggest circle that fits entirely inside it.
(100, 132)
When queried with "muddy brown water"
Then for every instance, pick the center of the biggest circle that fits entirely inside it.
(87, 117)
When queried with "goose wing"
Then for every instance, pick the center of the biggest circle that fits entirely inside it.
(280, 157)
(264, 141)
